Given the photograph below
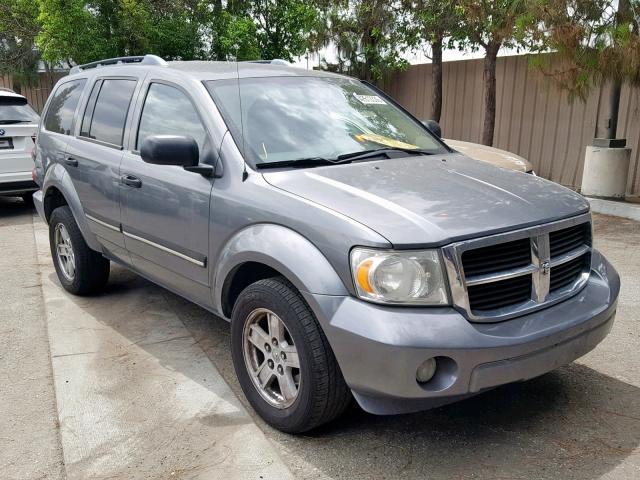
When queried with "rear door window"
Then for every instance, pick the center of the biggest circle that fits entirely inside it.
(62, 107)
(109, 113)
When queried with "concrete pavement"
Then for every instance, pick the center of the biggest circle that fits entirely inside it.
(136, 396)
(29, 440)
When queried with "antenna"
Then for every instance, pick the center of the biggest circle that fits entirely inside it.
(245, 172)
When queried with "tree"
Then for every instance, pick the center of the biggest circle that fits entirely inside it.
(285, 28)
(368, 36)
(490, 25)
(18, 30)
(432, 21)
(82, 31)
(594, 40)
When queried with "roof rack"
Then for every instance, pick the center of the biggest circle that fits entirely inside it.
(140, 59)
(275, 61)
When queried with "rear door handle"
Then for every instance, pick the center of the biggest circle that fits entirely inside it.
(131, 181)
(69, 160)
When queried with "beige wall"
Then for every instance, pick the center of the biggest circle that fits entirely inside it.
(533, 118)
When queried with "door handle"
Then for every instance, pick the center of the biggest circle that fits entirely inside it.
(131, 181)
(69, 160)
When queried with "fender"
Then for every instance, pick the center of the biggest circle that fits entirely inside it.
(284, 250)
(58, 177)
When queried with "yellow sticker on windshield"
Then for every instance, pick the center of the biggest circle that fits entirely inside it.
(386, 141)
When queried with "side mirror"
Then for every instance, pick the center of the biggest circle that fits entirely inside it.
(170, 150)
(434, 127)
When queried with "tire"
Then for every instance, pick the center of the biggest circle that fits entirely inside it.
(27, 198)
(91, 269)
(322, 393)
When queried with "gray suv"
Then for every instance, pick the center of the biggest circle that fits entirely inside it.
(354, 253)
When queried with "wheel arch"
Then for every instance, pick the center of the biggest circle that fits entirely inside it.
(267, 250)
(57, 191)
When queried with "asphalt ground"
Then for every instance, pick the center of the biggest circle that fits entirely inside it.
(85, 392)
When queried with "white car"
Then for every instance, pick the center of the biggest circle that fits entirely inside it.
(18, 126)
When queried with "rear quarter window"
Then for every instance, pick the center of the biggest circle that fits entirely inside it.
(59, 116)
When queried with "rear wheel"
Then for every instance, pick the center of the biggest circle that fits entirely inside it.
(285, 365)
(80, 270)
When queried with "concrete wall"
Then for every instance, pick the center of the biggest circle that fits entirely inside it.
(533, 118)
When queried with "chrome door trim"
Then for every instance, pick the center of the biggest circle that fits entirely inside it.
(104, 224)
(165, 249)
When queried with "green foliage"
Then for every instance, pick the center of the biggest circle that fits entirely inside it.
(18, 29)
(83, 31)
(594, 41)
(369, 37)
(285, 28)
(491, 23)
(430, 21)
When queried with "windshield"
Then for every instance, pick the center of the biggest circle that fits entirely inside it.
(275, 119)
(15, 110)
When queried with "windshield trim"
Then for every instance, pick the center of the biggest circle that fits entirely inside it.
(236, 130)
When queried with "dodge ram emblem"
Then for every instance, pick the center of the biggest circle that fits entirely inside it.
(545, 268)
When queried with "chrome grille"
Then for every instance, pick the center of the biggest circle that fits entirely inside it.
(495, 258)
(567, 239)
(565, 274)
(505, 275)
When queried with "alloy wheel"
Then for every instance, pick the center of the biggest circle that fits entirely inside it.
(271, 358)
(64, 252)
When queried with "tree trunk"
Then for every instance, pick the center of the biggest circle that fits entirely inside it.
(490, 92)
(436, 75)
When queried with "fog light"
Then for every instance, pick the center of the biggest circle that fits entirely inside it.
(426, 370)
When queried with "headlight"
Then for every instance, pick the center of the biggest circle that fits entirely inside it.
(412, 277)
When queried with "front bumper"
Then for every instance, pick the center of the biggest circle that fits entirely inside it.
(379, 348)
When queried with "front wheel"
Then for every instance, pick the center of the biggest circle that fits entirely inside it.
(80, 270)
(283, 361)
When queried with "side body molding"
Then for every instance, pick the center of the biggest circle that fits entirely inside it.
(282, 249)
(58, 177)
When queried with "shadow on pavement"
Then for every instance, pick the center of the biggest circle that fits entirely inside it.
(573, 423)
(13, 208)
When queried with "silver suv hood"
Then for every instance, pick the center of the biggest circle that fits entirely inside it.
(432, 200)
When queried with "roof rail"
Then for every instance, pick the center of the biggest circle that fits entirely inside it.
(275, 61)
(140, 59)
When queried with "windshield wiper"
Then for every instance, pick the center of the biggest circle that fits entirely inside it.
(300, 162)
(361, 155)
(344, 158)
(8, 122)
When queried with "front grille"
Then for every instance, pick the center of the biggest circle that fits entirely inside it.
(505, 275)
(567, 273)
(490, 296)
(497, 257)
(567, 239)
